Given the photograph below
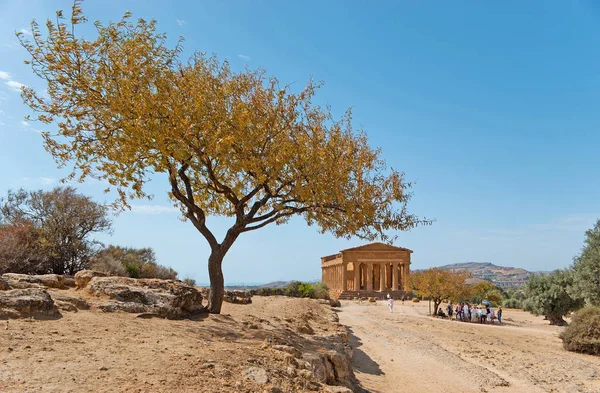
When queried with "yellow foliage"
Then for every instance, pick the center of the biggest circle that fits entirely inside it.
(231, 144)
(439, 285)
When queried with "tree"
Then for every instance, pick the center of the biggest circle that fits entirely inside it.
(440, 284)
(64, 222)
(21, 250)
(586, 268)
(134, 262)
(548, 295)
(231, 144)
(485, 290)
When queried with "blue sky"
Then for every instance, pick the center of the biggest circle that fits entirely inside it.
(491, 106)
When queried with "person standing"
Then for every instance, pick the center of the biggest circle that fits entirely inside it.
(449, 308)
(500, 315)
(390, 303)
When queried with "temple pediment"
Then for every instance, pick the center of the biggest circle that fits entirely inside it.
(377, 246)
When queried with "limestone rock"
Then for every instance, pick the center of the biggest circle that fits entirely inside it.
(22, 281)
(257, 374)
(237, 297)
(342, 366)
(79, 303)
(169, 298)
(30, 302)
(4, 285)
(335, 303)
(83, 277)
(65, 306)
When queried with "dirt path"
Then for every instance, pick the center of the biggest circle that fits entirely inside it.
(409, 352)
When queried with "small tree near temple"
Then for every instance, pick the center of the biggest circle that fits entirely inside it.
(230, 144)
(439, 284)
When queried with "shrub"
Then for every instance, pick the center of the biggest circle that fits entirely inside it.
(293, 289)
(415, 300)
(306, 290)
(321, 290)
(583, 334)
(189, 281)
(512, 303)
(108, 265)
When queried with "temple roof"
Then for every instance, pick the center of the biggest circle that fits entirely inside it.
(377, 246)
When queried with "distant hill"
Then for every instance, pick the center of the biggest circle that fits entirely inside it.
(501, 276)
(274, 284)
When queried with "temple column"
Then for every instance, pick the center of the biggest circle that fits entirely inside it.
(369, 277)
(406, 274)
(345, 276)
(382, 285)
(356, 276)
(401, 275)
(395, 276)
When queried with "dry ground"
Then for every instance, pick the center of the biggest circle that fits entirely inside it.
(91, 351)
(408, 352)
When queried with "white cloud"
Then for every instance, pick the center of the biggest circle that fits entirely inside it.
(153, 209)
(14, 85)
(10, 82)
(25, 31)
(26, 124)
(180, 22)
(244, 57)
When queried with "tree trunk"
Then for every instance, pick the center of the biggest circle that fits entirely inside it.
(556, 320)
(436, 305)
(217, 283)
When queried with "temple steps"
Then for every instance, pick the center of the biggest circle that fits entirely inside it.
(350, 295)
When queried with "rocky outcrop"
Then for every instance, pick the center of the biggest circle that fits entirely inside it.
(22, 281)
(24, 303)
(172, 299)
(83, 277)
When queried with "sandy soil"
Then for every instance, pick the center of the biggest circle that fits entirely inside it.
(91, 351)
(408, 351)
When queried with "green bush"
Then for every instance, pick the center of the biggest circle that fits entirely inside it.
(512, 303)
(306, 290)
(293, 289)
(583, 334)
(321, 290)
(190, 281)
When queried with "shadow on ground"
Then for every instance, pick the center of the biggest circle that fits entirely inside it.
(360, 360)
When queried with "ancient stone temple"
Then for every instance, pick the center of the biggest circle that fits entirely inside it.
(374, 269)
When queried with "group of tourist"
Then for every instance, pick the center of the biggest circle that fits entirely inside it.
(466, 312)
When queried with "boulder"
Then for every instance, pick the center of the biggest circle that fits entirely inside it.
(169, 298)
(64, 306)
(22, 281)
(237, 297)
(256, 374)
(330, 367)
(4, 285)
(30, 302)
(83, 277)
(79, 303)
